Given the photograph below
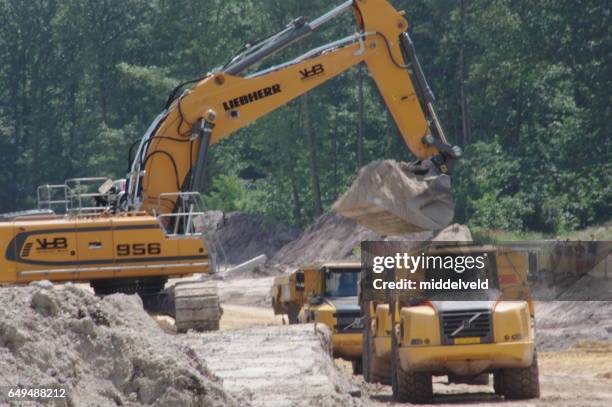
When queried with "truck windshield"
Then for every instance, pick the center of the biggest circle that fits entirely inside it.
(341, 283)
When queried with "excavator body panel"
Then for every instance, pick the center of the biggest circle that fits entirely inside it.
(81, 249)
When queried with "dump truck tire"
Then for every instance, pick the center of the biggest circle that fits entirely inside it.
(293, 311)
(521, 383)
(365, 349)
(379, 370)
(375, 370)
(416, 388)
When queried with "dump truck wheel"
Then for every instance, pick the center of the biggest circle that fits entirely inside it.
(365, 350)
(414, 387)
(379, 370)
(521, 383)
(498, 384)
(375, 369)
(357, 366)
(292, 313)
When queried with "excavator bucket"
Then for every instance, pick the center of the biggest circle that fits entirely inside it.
(394, 198)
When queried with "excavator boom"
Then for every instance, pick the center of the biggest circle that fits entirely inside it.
(172, 154)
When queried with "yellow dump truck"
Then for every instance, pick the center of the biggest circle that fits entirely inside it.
(465, 335)
(325, 293)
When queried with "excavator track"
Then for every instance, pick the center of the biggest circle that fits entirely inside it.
(197, 306)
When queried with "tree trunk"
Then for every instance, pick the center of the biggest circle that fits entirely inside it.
(297, 204)
(102, 84)
(72, 134)
(464, 113)
(335, 147)
(360, 117)
(103, 100)
(312, 158)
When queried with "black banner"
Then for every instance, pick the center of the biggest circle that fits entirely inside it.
(460, 271)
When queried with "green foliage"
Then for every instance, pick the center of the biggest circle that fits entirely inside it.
(81, 80)
(227, 194)
(230, 193)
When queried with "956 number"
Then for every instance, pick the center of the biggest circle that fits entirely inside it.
(138, 249)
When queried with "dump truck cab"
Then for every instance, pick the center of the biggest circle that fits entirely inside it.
(463, 334)
(325, 293)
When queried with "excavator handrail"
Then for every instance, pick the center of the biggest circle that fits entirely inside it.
(188, 206)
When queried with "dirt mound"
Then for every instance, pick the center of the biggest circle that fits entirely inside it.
(244, 236)
(276, 365)
(330, 236)
(563, 323)
(394, 198)
(102, 351)
(335, 237)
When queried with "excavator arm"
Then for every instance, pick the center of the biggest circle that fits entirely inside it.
(171, 156)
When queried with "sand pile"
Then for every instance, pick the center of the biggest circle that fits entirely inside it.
(244, 236)
(564, 322)
(334, 237)
(102, 351)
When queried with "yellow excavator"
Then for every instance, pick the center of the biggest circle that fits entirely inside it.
(132, 235)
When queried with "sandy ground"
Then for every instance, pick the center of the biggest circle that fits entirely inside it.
(275, 365)
(581, 376)
(243, 316)
(264, 362)
(567, 379)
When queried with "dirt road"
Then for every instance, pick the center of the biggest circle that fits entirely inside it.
(575, 378)
(243, 316)
(275, 365)
(578, 377)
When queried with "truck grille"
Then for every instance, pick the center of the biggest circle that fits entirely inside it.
(467, 324)
(349, 321)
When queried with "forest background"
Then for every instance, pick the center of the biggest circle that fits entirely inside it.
(523, 86)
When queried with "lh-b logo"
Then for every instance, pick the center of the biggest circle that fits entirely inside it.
(313, 71)
(52, 244)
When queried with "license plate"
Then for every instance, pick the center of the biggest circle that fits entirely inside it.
(466, 341)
